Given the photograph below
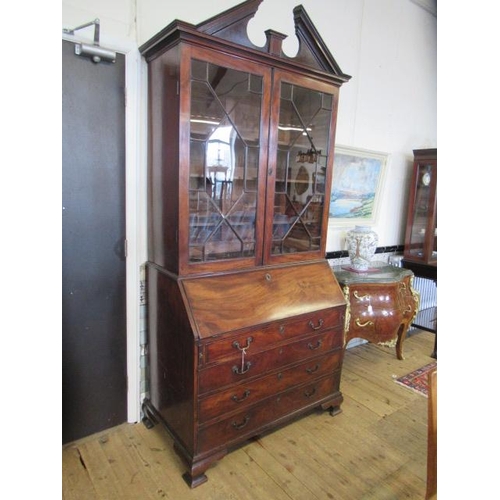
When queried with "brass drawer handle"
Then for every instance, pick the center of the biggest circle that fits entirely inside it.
(312, 370)
(317, 346)
(239, 426)
(236, 399)
(362, 325)
(308, 394)
(236, 344)
(320, 324)
(362, 297)
(244, 368)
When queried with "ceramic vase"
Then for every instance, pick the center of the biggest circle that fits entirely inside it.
(361, 244)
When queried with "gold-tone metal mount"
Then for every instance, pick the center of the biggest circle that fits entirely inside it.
(362, 325)
(362, 297)
(347, 318)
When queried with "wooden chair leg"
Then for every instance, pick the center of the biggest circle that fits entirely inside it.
(432, 438)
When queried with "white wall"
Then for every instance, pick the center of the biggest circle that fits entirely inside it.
(387, 46)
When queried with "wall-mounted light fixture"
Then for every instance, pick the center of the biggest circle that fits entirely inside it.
(94, 52)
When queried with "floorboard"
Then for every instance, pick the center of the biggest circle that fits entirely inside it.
(375, 449)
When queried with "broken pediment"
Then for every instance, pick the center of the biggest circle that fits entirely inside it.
(231, 26)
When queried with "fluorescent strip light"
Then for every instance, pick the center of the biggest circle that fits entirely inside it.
(209, 122)
(296, 129)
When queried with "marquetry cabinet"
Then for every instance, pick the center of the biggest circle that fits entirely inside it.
(382, 303)
(246, 319)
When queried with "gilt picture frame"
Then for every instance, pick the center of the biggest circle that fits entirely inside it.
(358, 176)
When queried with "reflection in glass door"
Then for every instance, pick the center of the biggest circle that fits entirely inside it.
(303, 142)
(224, 159)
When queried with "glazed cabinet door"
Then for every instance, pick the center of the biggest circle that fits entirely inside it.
(300, 167)
(259, 164)
(228, 110)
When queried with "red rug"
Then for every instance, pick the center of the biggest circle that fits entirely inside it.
(417, 380)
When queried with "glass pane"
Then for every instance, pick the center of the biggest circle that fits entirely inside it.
(256, 84)
(303, 137)
(197, 178)
(281, 169)
(307, 104)
(328, 102)
(435, 240)
(252, 168)
(224, 162)
(206, 111)
(199, 70)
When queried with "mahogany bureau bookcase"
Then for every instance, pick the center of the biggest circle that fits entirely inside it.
(246, 319)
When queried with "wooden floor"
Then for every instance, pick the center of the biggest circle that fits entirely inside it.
(375, 449)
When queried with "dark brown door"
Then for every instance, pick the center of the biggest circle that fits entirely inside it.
(94, 377)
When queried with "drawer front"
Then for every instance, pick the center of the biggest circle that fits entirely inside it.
(379, 310)
(246, 394)
(247, 366)
(371, 304)
(277, 332)
(244, 424)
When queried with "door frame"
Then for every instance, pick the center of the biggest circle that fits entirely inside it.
(135, 203)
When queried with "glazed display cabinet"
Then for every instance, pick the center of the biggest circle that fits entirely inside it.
(246, 319)
(420, 254)
(421, 225)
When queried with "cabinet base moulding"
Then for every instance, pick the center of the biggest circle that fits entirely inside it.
(198, 465)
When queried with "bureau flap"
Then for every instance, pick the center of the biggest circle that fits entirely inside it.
(229, 302)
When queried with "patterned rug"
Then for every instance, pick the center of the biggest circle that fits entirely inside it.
(417, 380)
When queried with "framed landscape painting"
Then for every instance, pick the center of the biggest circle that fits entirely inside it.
(357, 183)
